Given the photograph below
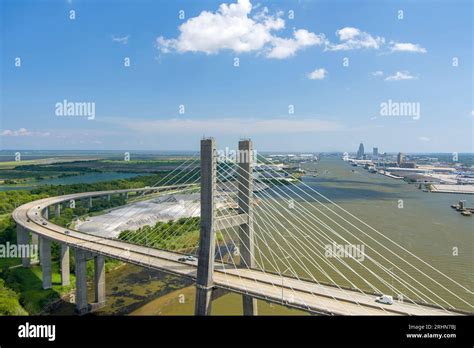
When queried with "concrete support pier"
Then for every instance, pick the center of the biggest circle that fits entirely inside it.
(99, 279)
(204, 281)
(57, 210)
(23, 242)
(46, 213)
(82, 305)
(64, 265)
(35, 243)
(245, 200)
(45, 255)
(89, 202)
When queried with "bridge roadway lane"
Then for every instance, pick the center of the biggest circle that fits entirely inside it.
(294, 293)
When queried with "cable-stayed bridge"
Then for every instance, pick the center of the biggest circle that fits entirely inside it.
(253, 232)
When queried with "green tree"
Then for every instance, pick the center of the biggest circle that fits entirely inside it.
(9, 301)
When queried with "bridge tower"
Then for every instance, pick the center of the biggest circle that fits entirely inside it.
(245, 200)
(207, 238)
(205, 291)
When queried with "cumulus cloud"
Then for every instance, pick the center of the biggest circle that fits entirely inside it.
(400, 75)
(233, 28)
(122, 40)
(22, 132)
(284, 48)
(406, 47)
(318, 74)
(353, 38)
(377, 73)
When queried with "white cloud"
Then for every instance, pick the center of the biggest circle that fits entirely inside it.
(235, 126)
(232, 28)
(347, 33)
(318, 74)
(424, 138)
(406, 47)
(284, 48)
(400, 75)
(22, 132)
(377, 73)
(352, 38)
(123, 40)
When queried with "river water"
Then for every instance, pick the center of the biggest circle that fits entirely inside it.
(88, 178)
(405, 221)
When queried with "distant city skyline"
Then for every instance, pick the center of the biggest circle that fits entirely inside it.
(294, 76)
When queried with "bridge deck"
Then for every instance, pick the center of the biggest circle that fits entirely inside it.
(291, 292)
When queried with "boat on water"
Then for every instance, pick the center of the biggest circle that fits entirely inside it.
(466, 213)
(372, 170)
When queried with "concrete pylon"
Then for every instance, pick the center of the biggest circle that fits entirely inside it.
(246, 232)
(57, 210)
(82, 306)
(99, 279)
(204, 281)
(35, 244)
(22, 240)
(64, 265)
(45, 255)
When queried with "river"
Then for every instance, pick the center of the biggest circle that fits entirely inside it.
(88, 178)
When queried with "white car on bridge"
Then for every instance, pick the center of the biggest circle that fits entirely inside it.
(386, 299)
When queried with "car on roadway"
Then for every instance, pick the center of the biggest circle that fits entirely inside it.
(385, 299)
(188, 258)
(44, 223)
(67, 232)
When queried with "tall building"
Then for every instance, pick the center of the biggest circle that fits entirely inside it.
(360, 152)
(400, 158)
(375, 152)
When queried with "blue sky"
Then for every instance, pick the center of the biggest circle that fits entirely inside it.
(284, 62)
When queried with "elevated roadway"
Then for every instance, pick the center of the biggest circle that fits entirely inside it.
(290, 292)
